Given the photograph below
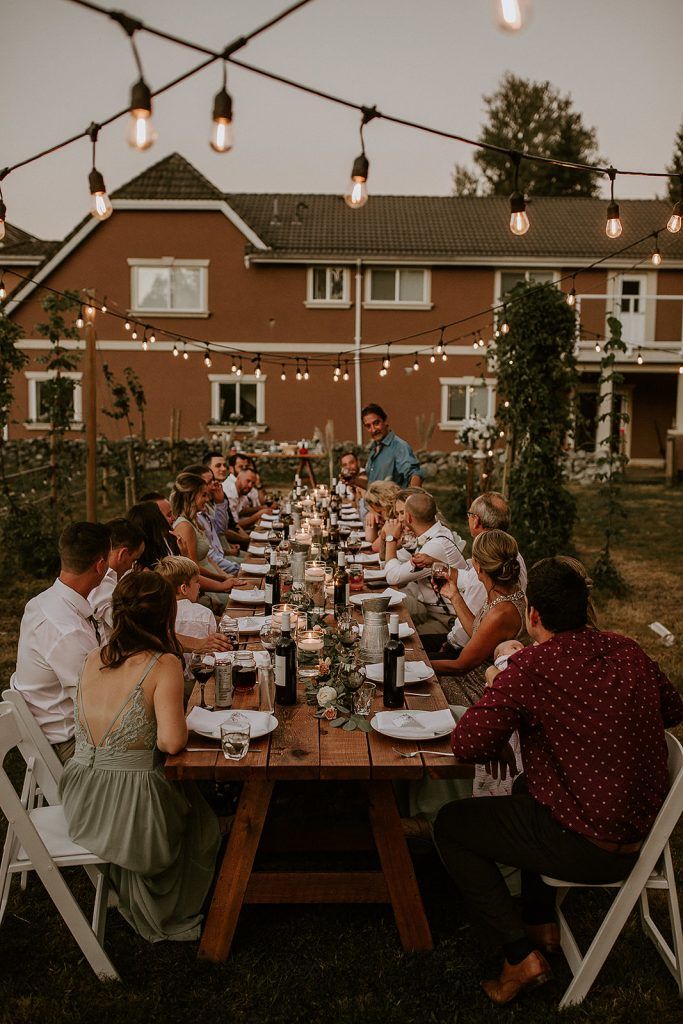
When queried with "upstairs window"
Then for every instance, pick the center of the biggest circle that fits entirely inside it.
(397, 286)
(328, 286)
(509, 279)
(39, 398)
(169, 286)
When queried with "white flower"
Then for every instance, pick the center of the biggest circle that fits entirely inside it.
(326, 695)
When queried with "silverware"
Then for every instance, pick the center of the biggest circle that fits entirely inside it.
(436, 753)
(213, 750)
(409, 693)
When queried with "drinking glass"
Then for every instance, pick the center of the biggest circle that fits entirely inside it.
(354, 543)
(230, 628)
(441, 574)
(266, 688)
(235, 737)
(309, 651)
(286, 581)
(348, 631)
(202, 667)
(408, 541)
(363, 698)
(269, 635)
(274, 538)
(314, 575)
(356, 578)
(244, 671)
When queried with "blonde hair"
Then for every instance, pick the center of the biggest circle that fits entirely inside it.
(382, 493)
(184, 495)
(177, 569)
(496, 552)
(580, 569)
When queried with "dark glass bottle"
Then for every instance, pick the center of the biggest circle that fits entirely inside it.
(394, 667)
(272, 585)
(341, 581)
(285, 665)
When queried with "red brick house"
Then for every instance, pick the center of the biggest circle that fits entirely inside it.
(292, 277)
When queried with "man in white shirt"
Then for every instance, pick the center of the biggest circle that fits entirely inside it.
(236, 490)
(127, 546)
(430, 613)
(490, 511)
(58, 630)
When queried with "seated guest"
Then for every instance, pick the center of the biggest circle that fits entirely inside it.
(591, 709)
(127, 546)
(159, 837)
(501, 617)
(163, 503)
(192, 619)
(58, 630)
(231, 536)
(413, 570)
(206, 520)
(349, 472)
(188, 498)
(160, 540)
(379, 502)
(490, 511)
(237, 462)
(399, 513)
(237, 489)
(390, 457)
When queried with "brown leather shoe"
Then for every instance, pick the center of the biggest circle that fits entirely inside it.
(545, 937)
(515, 978)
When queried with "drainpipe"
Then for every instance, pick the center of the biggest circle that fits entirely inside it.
(356, 359)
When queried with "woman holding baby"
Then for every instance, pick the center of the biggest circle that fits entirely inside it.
(501, 619)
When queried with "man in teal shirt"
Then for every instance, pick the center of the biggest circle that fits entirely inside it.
(390, 457)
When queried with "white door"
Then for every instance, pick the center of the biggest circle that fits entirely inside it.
(632, 291)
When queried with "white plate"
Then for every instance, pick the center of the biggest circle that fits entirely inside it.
(404, 630)
(252, 623)
(355, 524)
(259, 535)
(255, 549)
(416, 671)
(366, 544)
(254, 569)
(208, 723)
(394, 595)
(398, 732)
(247, 596)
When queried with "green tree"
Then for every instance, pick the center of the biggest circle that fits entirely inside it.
(536, 372)
(536, 117)
(676, 167)
(465, 181)
(12, 360)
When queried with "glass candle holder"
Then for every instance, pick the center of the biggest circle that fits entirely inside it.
(314, 578)
(309, 651)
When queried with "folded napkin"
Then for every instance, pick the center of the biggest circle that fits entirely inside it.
(256, 549)
(426, 723)
(208, 723)
(225, 657)
(375, 574)
(366, 559)
(416, 671)
(254, 569)
(255, 596)
(259, 535)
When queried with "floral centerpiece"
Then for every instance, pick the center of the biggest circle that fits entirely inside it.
(340, 674)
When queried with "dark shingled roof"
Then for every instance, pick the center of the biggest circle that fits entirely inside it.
(18, 243)
(170, 178)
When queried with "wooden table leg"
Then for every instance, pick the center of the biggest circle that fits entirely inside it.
(398, 868)
(235, 870)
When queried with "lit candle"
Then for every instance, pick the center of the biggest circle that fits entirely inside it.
(310, 642)
(303, 538)
(278, 611)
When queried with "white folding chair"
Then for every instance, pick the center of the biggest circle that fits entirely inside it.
(653, 870)
(40, 842)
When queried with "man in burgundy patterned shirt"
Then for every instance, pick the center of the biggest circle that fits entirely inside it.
(591, 709)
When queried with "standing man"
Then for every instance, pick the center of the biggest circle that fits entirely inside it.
(390, 457)
(590, 708)
(58, 630)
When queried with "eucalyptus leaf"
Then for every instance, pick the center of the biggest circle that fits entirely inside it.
(337, 722)
(349, 725)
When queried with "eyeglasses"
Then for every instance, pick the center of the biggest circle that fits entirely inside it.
(472, 514)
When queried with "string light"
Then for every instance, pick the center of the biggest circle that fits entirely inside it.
(597, 347)
(207, 358)
(571, 296)
(126, 326)
(238, 371)
(283, 375)
(386, 362)
(345, 375)
(152, 338)
(439, 344)
(3, 290)
(144, 341)
(79, 318)
(639, 357)
(298, 374)
(175, 350)
(432, 356)
(356, 194)
(257, 371)
(656, 254)
(416, 363)
(103, 307)
(141, 134)
(221, 133)
(100, 203)
(444, 357)
(306, 373)
(519, 221)
(613, 226)
(134, 335)
(676, 218)
(186, 354)
(505, 326)
(508, 14)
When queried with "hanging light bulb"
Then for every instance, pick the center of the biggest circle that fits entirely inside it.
(444, 357)
(571, 295)
(298, 373)
(639, 358)
(439, 344)
(656, 254)
(257, 371)
(233, 368)
(283, 375)
(221, 133)
(613, 226)
(144, 342)
(126, 326)
(356, 194)
(175, 350)
(676, 218)
(475, 343)
(510, 15)
(152, 338)
(597, 347)
(3, 215)
(519, 221)
(207, 358)
(432, 357)
(3, 290)
(306, 373)
(141, 133)
(103, 307)
(134, 335)
(505, 326)
(79, 318)
(345, 375)
(382, 371)
(238, 371)
(386, 362)
(186, 354)
(416, 364)
(100, 203)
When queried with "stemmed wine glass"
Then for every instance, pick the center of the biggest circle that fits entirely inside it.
(354, 544)
(441, 574)
(202, 667)
(269, 636)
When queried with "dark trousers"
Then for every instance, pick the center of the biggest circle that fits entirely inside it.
(472, 835)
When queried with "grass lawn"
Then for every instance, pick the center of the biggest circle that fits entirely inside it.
(344, 964)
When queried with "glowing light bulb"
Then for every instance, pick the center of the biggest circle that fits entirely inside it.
(597, 347)
(444, 357)
(571, 297)
(345, 375)
(383, 372)
(656, 258)
(100, 203)
(639, 358)
(141, 133)
(176, 353)
(509, 15)
(283, 375)
(144, 345)
(238, 371)
(519, 221)
(152, 338)
(356, 194)
(257, 371)
(416, 365)
(613, 226)
(186, 354)
(103, 307)
(386, 362)
(432, 358)
(134, 335)
(3, 291)
(126, 326)
(221, 133)
(306, 373)
(299, 375)
(676, 219)
(79, 320)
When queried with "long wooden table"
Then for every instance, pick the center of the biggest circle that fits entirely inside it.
(304, 747)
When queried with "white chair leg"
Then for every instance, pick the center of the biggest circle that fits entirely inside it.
(671, 957)
(570, 949)
(5, 877)
(600, 947)
(99, 916)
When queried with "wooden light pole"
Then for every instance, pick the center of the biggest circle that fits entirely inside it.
(90, 389)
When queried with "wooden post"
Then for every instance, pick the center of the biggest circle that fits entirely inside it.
(90, 388)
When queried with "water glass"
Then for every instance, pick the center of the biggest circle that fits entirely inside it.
(243, 671)
(230, 628)
(363, 698)
(269, 636)
(266, 689)
(356, 578)
(235, 737)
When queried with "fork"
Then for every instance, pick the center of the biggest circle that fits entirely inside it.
(436, 753)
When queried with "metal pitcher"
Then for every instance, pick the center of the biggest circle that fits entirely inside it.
(375, 630)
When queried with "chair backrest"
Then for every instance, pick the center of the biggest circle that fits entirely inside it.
(672, 808)
(32, 743)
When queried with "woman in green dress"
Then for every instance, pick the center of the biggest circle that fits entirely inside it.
(160, 837)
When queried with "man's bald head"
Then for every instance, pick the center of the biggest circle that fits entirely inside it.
(492, 510)
(422, 508)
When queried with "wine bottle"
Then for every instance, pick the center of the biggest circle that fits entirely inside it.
(272, 585)
(394, 667)
(341, 581)
(285, 665)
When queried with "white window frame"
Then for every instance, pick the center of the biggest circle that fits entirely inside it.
(528, 274)
(448, 382)
(169, 261)
(327, 303)
(216, 379)
(397, 303)
(33, 378)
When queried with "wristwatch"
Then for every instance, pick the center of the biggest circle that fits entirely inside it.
(390, 538)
